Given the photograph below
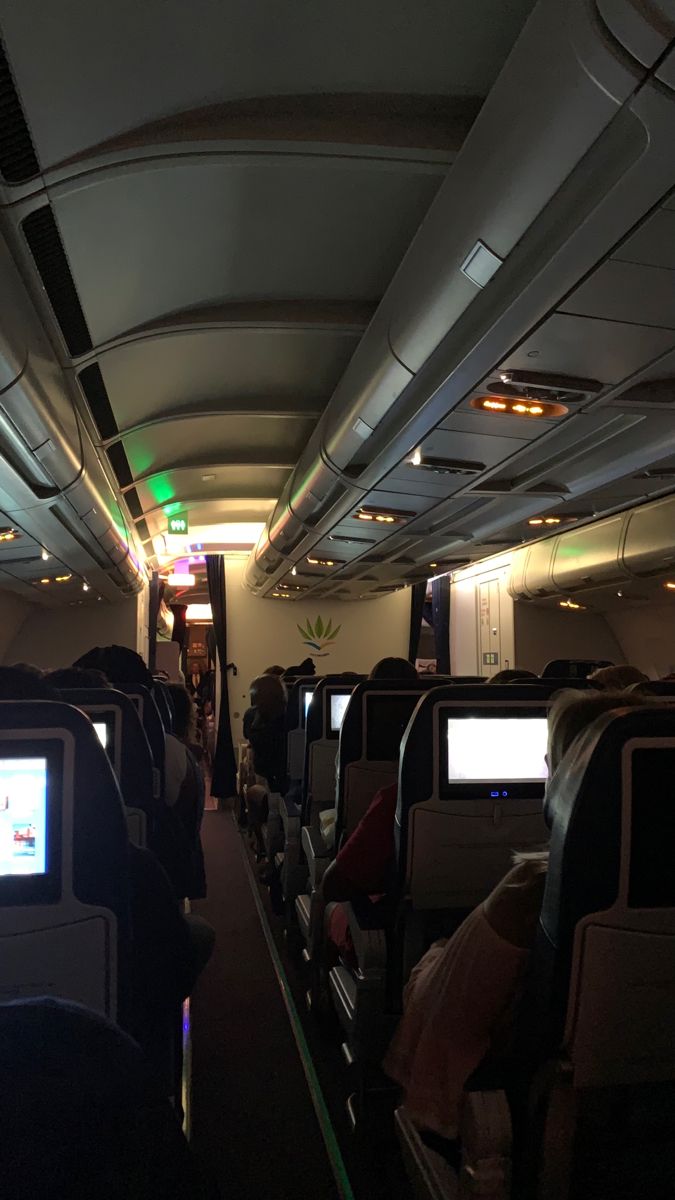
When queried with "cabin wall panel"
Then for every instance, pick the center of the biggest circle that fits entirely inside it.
(262, 632)
(647, 636)
(481, 621)
(14, 612)
(55, 637)
(543, 633)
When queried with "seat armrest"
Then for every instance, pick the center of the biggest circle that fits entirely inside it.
(318, 856)
(368, 937)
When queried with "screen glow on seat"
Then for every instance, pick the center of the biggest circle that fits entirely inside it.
(23, 816)
(102, 732)
(338, 708)
(497, 749)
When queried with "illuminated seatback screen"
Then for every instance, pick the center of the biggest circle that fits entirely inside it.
(23, 816)
(308, 701)
(102, 733)
(496, 749)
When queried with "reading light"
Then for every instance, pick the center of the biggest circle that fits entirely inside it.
(536, 521)
(321, 562)
(62, 578)
(390, 516)
(294, 571)
(551, 520)
(416, 459)
(45, 581)
(519, 406)
(280, 596)
(433, 565)
(570, 604)
(182, 580)
(44, 556)
(670, 586)
(85, 587)
(8, 535)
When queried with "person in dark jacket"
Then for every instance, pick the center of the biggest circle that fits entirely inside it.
(265, 729)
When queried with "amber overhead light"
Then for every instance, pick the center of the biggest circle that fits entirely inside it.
(383, 516)
(281, 596)
(518, 406)
(8, 535)
(62, 578)
(324, 562)
(670, 586)
(553, 520)
(571, 604)
(45, 581)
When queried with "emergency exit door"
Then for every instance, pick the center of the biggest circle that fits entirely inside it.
(489, 649)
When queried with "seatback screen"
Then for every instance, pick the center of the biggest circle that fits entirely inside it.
(496, 749)
(306, 701)
(338, 708)
(23, 816)
(386, 719)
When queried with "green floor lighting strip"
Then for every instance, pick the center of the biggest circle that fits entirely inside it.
(320, 1107)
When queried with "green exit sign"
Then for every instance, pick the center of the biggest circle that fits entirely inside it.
(178, 523)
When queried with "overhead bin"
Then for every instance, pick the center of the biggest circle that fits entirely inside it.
(571, 150)
(649, 539)
(52, 482)
(636, 543)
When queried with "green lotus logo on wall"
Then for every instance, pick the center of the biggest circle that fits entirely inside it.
(319, 637)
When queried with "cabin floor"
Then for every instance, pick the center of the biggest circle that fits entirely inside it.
(269, 1084)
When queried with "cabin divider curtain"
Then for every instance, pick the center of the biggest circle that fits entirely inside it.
(440, 607)
(224, 781)
(417, 596)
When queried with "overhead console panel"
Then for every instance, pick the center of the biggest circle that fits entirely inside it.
(516, 278)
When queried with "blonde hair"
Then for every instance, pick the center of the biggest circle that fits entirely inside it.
(613, 678)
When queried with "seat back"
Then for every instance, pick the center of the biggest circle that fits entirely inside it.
(573, 668)
(154, 729)
(296, 720)
(370, 741)
(599, 997)
(663, 688)
(116, 720)
(471, 789)
(64, 883)
(605, 951)
(162, 697)
(324, 719)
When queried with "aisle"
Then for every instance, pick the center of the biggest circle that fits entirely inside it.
(252, 1116)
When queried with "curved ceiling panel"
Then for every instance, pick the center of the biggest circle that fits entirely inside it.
(213, 440)
(94, 70)
(237, 230)
(221, 367)
(186, 486)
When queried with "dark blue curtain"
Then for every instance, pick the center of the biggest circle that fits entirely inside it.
(417, 595)
(224, 781)
(440, 607)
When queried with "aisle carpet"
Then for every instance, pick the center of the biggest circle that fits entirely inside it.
(253, 1123)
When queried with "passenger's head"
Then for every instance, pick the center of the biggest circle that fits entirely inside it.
(393, 668)
(512, 676)
(184, 714)
(120, 664)
(571, 712)
(274, 671)
(268, 695)
(614, 678)
(77, 677)
(18, 684)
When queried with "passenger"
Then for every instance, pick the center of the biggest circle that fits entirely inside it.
(460, 999)
(608, 679)
(394, 668)
(274, 671)
(265, 729)
(66, 678)
(120, 664)
(306, 667)
(512, 676)
(187, 776)
(84, 1116)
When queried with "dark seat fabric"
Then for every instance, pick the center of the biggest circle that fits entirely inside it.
(82, 1117)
